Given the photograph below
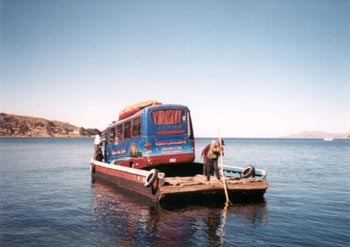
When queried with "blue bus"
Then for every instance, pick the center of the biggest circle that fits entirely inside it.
(150, 136)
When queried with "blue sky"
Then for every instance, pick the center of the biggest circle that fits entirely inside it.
(247, 68)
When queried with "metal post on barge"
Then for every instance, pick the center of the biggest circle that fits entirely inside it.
(222, 173)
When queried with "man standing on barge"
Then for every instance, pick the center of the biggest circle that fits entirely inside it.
(204, 157)
(215, 150)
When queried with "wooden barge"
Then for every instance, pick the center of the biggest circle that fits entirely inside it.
(168, 185)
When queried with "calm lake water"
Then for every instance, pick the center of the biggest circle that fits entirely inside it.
(48, 199)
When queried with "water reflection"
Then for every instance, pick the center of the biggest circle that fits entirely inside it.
(125, 219)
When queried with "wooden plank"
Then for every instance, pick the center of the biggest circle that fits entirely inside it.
(121, 168)
(199, 183)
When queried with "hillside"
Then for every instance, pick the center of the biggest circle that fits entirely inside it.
(24, 126)
(319, 135)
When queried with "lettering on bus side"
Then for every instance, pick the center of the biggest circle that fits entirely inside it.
(173, 149)
(177, 142)
(118, 151)
(167, 127)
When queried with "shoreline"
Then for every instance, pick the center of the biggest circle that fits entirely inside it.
(237, 138)
(41, 137)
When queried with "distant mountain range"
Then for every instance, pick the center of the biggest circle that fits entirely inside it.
(23, 126)
(319, 135)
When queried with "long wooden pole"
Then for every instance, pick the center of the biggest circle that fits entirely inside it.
(222, 172)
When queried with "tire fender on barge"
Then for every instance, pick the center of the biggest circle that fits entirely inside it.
(151, 177)
(248, 171)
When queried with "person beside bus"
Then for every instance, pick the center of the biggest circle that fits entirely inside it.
(97, 144)
(215, 150)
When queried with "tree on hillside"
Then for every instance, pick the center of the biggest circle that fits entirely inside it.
(82, 131)
(48, 130)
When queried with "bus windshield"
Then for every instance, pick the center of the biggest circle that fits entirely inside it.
(168, 116)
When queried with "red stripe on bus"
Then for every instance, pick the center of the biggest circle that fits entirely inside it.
(163, 132)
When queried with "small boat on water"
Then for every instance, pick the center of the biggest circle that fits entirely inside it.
(328, 139)
(150, 151)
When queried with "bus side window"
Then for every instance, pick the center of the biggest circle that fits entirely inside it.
(111, 135)
(136, 127)
(183, 116)
(127, 130)
(120, 132)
